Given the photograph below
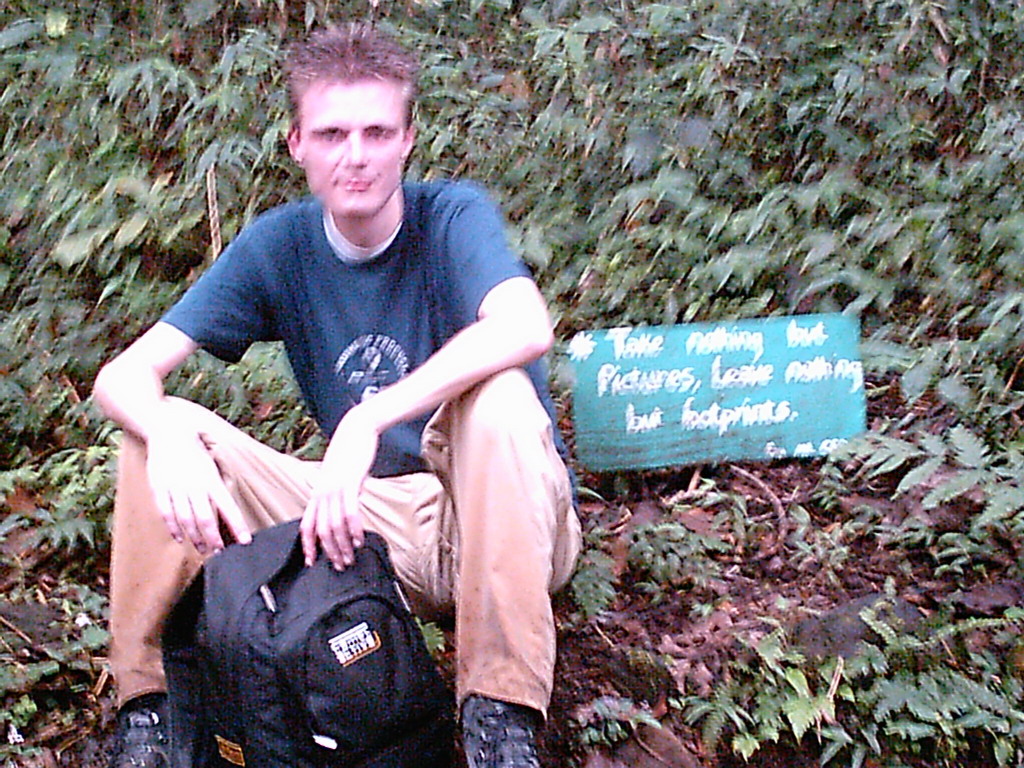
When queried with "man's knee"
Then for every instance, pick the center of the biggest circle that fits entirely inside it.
(201, 418)
(506, 402)
(207, 424)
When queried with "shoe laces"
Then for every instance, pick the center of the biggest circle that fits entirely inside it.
(142, 740)
(143, 718)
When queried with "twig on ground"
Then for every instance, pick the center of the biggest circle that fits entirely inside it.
(611, 643)
(780, 512)
(14, 628)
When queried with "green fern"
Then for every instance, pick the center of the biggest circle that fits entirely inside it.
(593, 584)
(880, 455)
(608, 720)
(669, 553)
(1004, 502)
(969, 450)
(433, 637)
(955, 486)
(950, 467)
(920, 474)
(895, 697)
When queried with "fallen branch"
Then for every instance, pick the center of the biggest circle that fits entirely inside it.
(780, 512)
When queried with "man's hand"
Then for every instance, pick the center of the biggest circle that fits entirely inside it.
(333, 517)
(187, 487)
(190, 493)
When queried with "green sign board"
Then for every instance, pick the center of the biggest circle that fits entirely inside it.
(747, 389)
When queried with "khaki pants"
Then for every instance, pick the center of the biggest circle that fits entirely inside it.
(488, 533)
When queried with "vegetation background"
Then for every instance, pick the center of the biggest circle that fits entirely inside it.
(659, 162)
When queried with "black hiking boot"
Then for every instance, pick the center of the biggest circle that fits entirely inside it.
(496, 734)
(141, 740)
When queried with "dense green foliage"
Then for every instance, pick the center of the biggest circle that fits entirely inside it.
(659, 162)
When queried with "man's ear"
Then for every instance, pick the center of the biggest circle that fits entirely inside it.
(294, 140)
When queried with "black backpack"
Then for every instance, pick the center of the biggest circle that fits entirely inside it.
(272, 664)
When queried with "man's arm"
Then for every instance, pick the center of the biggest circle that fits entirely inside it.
(511, 330)
(187, 488)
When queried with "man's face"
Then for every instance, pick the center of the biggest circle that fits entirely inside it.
(352, 141)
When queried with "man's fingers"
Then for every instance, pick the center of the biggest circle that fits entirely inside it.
(185, 518)
(190, 494)
(353, 520)
(191, 513)
(307, 533)
(209, 539)
(232, 515)
(325, 517)
(333, 521)
(319, 511)
(165, 506)
(334, 535)
(195, 516)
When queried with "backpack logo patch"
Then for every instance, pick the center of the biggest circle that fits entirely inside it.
(355, 643)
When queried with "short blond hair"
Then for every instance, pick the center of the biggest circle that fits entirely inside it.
(349, 53)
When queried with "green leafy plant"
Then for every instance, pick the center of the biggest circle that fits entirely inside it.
(958, 467)
(670, 554)
(782, 700)
(609, 720)
(594, 582)
(899, 696)
(433, 637)
(49, 649)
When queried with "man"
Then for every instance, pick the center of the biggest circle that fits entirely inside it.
(415, 338)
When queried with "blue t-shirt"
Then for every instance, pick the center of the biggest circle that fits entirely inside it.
(351, 329)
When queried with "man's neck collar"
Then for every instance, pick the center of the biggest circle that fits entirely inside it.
(349, 252)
